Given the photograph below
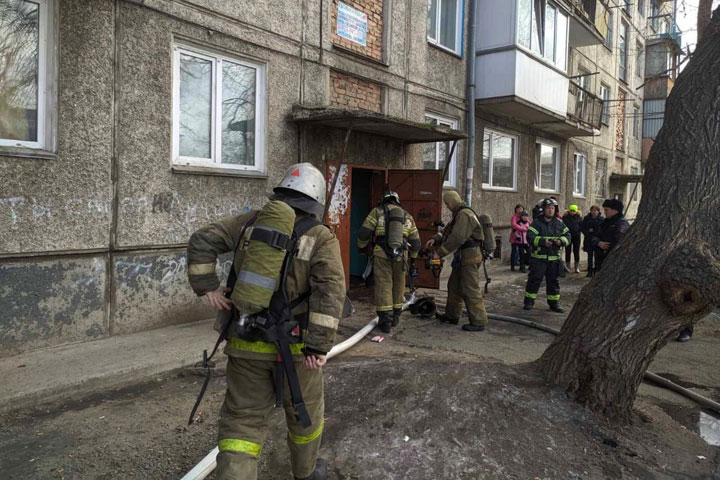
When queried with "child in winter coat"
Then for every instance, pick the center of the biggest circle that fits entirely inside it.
(520, 254)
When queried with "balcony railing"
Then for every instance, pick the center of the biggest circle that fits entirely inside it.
(584, 106)
(587, 7)
(665, 27)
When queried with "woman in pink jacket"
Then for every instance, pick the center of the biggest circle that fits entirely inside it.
(520, 252)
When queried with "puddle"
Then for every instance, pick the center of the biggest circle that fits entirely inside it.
(710, 429)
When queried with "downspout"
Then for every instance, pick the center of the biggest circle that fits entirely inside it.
(471, 55)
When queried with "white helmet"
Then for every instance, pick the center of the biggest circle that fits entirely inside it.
(306, 179)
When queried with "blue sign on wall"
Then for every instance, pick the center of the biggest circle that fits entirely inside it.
(352, 24)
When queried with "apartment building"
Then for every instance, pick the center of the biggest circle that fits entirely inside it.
(125, 125)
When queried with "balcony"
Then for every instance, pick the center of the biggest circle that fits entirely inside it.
(665, 29)
(587, 23)
(584, 107)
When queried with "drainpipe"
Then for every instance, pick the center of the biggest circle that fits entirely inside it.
(471, 106)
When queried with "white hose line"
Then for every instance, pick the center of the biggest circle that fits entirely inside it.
(208, 464)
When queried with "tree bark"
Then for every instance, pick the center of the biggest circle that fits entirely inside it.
(703, 17)
(665, 273)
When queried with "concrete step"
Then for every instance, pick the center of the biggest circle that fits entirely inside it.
(75, 370)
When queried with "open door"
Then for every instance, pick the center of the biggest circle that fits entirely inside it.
(350, 205)
(421, 195)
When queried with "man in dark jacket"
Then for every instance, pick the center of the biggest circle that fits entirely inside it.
(590, 227)
(611, 230)
(546, 235)
(572, 219)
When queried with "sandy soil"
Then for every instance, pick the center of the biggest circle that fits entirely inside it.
(429, 402)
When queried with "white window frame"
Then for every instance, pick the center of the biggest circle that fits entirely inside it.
(487, 185)
(604, 113)
(215, 160)
(623, 57)
(580, 160)
(434, 38)
(47, 61)
(452, 169)
(555, 58)
(558, 161)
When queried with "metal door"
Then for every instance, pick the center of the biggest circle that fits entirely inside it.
(421, 195)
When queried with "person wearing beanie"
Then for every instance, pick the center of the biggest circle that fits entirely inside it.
(520, 248)
(572, 218)
(465, 236)
(611, 231)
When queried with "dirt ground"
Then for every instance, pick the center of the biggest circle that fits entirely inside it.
(430, 402)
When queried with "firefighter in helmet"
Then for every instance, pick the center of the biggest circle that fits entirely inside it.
(395, 241)
(546, 235)
(466, 235)
(314, 286)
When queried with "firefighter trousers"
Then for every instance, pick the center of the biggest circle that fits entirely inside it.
(389, 284)
(249, 398)
(539, 269)
(464, 287)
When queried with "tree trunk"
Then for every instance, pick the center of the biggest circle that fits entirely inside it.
(665, 273)
(703, 17)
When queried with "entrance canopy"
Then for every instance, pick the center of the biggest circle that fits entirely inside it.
(374, 123)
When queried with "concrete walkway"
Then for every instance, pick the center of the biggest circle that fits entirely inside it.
(82, 368)
(72, 371)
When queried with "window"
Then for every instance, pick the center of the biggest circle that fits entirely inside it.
(622, 51)
(435, 154)
(27, 79)
(548, 167)
(542, 28)
(219, 110)
(641, 8)
(610, 32)
(605, 96)
(655, 15)
(626, 7)
(641, 60)
(600, 178)
(499, 160)
(579, 175)
(636, 122)
(444, 26)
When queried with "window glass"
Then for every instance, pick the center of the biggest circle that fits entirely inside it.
(19, 70)
(579, 180)
(432, 19)
(547, 167)
(435, 154)
(605, 95)
(195, 106)
(503, 173)
(622, 51)
(238, 114)
(537, 26)
(549, 50)
(486, 159)
(600, 176)
(524, 22)
(610, 32)
(448, 25)
(561, 43)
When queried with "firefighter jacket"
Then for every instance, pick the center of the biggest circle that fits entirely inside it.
(543, 229)
(611, 230)
(317, 268)
(464, 233)
(373, 230)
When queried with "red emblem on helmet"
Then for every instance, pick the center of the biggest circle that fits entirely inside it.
(296, 173)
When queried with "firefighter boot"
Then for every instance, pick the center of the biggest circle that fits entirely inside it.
(445, 319)
(555, 307)
(473, 328)
(528, 303)
(396, 317)
(320, 472)
(385, 320)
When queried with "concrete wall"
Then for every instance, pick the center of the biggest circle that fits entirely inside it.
(93, 238)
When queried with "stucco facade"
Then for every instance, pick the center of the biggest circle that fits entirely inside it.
(94, 230)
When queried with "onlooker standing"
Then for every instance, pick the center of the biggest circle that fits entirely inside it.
(514, 259)
(590, 227)
(611, 230)
(520, 254)
(572, 218)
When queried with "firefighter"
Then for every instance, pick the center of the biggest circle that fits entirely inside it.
(390, 231)
(546, 235)
(611, 230)
(315, 286)
(464, 236)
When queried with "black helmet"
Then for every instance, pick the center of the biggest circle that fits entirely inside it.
(391, 196)
(549, 201)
